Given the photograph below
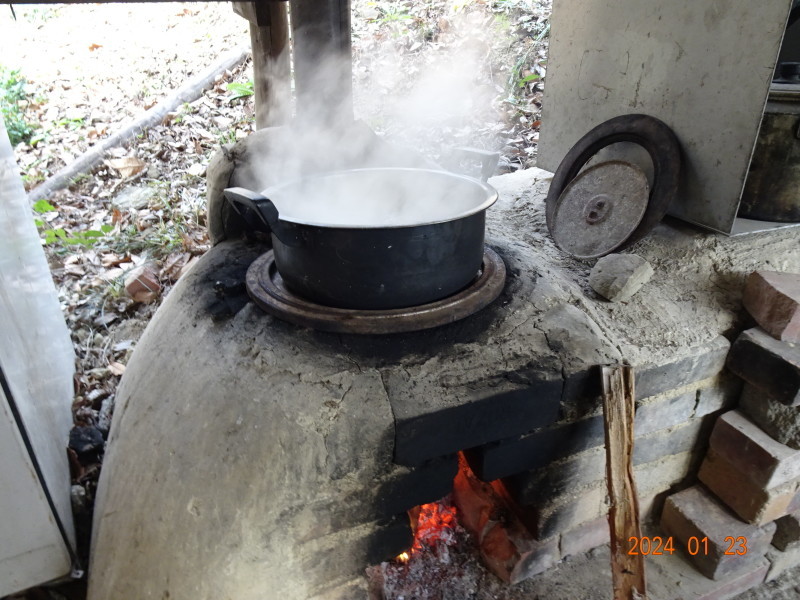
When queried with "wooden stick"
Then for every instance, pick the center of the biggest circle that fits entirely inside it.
(627, 570)
(188, 93)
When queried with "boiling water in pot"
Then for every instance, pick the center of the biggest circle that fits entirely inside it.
(379, 198)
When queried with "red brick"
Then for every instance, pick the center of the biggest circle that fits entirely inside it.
(542, 447)
(670, 577)
(564, 512)
(787, 532)
(778, 420)
(751, 502)
(771, 365)
(142, 284)
(588, 468)
(765, 461)
(507, 548)
(773, 299)
(738, 583)
(716, 394)
(660, 412)
(694, 512)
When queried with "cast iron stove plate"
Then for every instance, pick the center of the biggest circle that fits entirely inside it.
(600, 209)
(266, 288)
(657, 139)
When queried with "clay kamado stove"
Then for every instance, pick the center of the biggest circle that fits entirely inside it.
(287, 457)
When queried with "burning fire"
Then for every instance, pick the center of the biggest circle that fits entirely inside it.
(434, 525)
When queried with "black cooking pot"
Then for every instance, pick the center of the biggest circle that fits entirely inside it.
(772, 189)
(373, 238)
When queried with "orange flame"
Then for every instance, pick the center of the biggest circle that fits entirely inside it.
(433, 524)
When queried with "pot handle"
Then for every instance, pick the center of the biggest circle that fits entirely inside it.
(260, 214)
(486, 159)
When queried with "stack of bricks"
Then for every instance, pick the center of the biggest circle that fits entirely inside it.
(555, 475)
(747, 504)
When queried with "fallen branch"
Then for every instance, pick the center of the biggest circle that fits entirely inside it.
(188, 93)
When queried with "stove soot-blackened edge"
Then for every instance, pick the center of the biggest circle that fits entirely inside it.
(223, 286)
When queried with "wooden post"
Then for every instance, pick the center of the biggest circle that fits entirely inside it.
(323, 62)
(627, 570)
(269, 40)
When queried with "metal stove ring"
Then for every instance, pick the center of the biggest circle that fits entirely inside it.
(266, 288)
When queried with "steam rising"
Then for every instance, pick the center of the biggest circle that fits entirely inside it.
(326, 137)
(380, 198)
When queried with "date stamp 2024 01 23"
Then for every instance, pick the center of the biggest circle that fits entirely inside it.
(655, 546)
